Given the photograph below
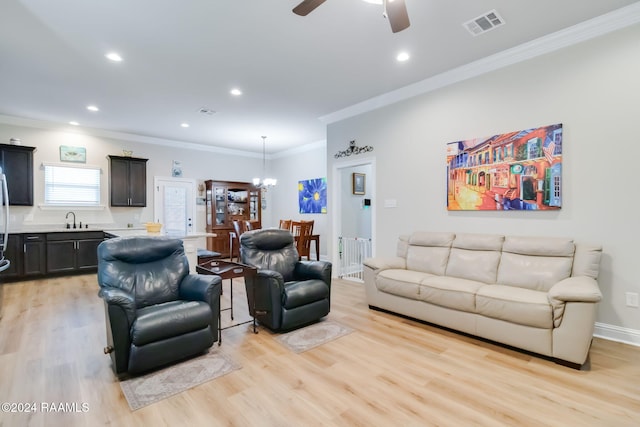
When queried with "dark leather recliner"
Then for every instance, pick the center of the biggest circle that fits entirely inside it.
(288, 293)
(156, 312)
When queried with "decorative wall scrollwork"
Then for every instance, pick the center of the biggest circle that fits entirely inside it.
(353, 149)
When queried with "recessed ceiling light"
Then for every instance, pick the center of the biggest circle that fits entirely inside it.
(236, 92)
(402, 57)
(74, 123)
(113, 56)
(92, 108)
(184, 125)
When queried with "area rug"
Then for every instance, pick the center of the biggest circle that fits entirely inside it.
(155, 386)
(312, 336)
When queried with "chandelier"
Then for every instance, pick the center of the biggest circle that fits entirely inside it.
(264, 182)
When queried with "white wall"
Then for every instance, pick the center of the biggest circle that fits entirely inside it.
(355, 218)
(308, 162)
(592, 88)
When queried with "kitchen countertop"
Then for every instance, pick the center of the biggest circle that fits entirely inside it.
(57, 228)
(110, 229)
(130, 232)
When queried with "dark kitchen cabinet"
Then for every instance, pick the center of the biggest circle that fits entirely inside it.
(73, 252)
(27, 253)
(128, 181)
(17, 164)
(14, 255)
(34, 254)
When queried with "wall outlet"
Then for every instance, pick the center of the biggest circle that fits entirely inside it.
(632, 299)
(28, 217)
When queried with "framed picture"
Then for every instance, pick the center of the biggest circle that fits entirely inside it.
(358, 183)
(176, 168)
(312, 196)
(73, 154)
(519, 170)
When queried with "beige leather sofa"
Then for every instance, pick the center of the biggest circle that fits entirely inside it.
(535, 293)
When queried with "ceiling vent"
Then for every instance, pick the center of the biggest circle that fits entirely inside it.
(207, 111)
(484, 23)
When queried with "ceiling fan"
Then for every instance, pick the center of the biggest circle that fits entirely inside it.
(394, 10)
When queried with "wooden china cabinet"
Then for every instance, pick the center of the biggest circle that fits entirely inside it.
(226, 201)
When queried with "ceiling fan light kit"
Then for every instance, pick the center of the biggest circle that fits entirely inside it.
(394, 10)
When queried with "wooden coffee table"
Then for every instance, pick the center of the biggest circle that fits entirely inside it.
(229, 270)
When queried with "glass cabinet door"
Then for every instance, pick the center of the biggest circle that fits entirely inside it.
(220, 205)
(254, 197)
(209, 206)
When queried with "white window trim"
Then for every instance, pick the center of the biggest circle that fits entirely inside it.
(45, 207)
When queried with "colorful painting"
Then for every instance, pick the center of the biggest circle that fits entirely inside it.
(513, 171)
(312, 196)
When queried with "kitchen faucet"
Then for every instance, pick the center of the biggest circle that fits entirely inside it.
(74, 219)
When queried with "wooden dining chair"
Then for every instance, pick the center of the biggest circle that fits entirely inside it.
(234, 241)
(302, 231)
(249, 225)
(285, 224)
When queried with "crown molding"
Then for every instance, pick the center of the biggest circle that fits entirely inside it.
(58, 127)
(122, 136)
(601, 25)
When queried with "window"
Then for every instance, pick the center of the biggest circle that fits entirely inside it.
(71, 185)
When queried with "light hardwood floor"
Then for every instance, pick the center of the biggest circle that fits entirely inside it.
(389, 372)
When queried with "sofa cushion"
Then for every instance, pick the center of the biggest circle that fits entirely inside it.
(478, 242)
(542, 246)
(535, 262)
(475, 257)
(538, 273)
(429, 252)
(480, 266)
(451, 292)
(516, 305)
(403, 283)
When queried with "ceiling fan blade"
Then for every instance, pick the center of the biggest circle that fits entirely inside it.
(396, 12)
(307, 6)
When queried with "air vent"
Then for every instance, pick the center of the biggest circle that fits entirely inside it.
(484, 23)
(207, 111)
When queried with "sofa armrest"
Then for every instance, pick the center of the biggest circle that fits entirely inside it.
(572, 289)
(121, 298)
(575, 289)
(385, 263)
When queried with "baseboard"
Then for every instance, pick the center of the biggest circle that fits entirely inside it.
(617, 333)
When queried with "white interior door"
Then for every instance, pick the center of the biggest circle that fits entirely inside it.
(175, 205)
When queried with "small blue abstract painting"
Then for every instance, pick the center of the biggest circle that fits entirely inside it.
(312, 196)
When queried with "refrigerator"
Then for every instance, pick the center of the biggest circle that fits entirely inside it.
(4, 221)
(4, 230)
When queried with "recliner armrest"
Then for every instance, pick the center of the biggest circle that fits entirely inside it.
(121, 298)
(270, 278)
(320, 270)
(200, 287)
